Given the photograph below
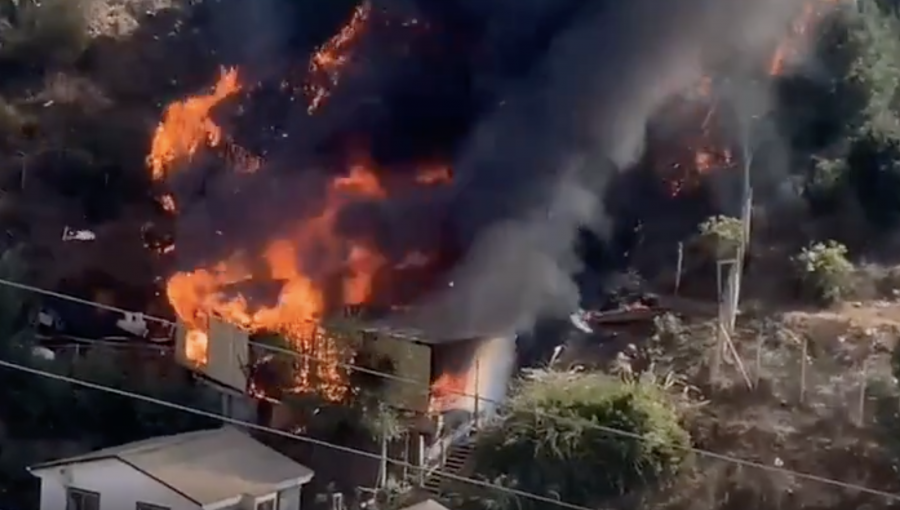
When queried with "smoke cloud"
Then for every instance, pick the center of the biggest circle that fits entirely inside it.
(536, 170)
(544, 101)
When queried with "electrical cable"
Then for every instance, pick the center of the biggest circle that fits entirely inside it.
(561, 419)
(282, 433)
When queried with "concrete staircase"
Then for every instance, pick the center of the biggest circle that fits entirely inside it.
(456, 463)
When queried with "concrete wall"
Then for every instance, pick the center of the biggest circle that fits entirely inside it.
(489, 374)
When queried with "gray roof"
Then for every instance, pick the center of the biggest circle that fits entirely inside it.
(428, 504)
(206, 466)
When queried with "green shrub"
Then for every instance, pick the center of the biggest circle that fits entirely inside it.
(560, 452)
(824, 270)
(720, 236)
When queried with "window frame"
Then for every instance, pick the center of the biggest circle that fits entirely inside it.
(265, 500)
(83, 494)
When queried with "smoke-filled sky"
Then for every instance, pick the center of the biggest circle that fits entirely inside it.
(544, 100)
(535, 169)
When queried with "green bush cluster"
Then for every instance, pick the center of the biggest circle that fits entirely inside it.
(824, 270)
(721, 236)
(555, 440)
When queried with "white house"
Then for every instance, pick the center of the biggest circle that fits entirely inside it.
(428, 504)
(219, 469)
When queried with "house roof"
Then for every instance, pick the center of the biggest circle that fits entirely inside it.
(206, 466)
(428, 504)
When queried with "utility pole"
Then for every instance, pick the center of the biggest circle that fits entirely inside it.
(737, 269)
(729, 293)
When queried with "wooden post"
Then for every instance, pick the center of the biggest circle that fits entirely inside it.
(760, 343)
(421, 462)
(736, 273)
(803, 355)
(716, 362)
(863, 384)
(737, 358)
(406, 439)
(382, 468)
(477, 393)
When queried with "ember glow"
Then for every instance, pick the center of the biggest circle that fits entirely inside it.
(710, 155)
(329, 61)
(434, 175)
(446, 390)
(707, 153)
(789, 46)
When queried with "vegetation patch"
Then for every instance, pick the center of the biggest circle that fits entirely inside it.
(555, 438)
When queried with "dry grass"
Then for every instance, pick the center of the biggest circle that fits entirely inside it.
(813, 427)
(120, 18)
(68, 89)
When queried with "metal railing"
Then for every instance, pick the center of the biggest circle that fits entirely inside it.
(435, 456)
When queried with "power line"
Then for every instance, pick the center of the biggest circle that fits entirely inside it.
(282, 433)
(543, 414)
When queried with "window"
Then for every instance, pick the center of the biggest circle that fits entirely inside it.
(289, 499)
(77, 499)
(268, 504)
(140, 505)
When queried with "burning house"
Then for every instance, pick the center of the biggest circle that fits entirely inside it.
(457, 209)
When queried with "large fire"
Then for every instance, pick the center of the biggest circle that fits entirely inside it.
(215, 290)
(301, 304)
(212, 291)
(351, 267)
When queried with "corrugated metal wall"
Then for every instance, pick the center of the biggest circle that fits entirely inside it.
(228, 352)
(408, 361)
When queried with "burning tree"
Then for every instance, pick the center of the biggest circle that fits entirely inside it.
(561, 452)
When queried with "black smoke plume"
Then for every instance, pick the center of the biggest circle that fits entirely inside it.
(538, 104)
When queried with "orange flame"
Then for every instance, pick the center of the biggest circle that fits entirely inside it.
(328, 62)
(202, 293)
(305, 289)
(788, 47)
(446, 389)
(186, 126)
